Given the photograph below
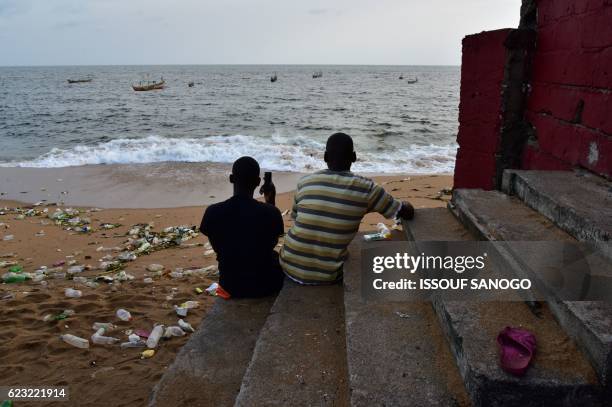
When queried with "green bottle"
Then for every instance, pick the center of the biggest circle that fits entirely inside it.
(14, 278)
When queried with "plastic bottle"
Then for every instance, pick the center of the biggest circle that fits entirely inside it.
(72, 293)
(124, 315)
(99, 339)
(383, 233)
(75, 341)
(185, 326)
(14, 278)
(130, 344)
(173, 331)
(154, 337)
(107, 326)
(181, 311)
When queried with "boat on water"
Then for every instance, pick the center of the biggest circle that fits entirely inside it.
(83, 80)
(191, 84)
(143, 86)
(401, 77)
(273, 78)
(415, 80)
(317, 74)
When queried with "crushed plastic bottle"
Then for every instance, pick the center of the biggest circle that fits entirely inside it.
(107, 326)
(185, 326)
(72, 293)
(212, 290)
(137, 344)
(99, 339)
(154, 337)
(14, 278)
(75, 341)
(181, 311)
(383, 234)
(76, 269)
(173, 331)
(124, 315)
(155, 267)
(133, 338)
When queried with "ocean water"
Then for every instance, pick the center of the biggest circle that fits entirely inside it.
(231, 111)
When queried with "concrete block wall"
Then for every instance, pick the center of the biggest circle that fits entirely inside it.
(570, 104)
(480, 108)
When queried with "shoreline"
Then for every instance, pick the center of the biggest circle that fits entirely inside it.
(136, 186)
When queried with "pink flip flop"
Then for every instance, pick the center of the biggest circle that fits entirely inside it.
(516, 350)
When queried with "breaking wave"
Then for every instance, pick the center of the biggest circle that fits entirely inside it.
(275, 153)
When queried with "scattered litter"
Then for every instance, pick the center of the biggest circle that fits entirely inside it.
(147, 354)
(155, 336)
(72, 293)
(107, 326)
(124, 315)
(142, 333)
(185, 326)
(76, 269)
(209, 252)
(148, 280)
(383, 234)
(173, 331)
(155, 267)
(516, 350)
(181, 311)
(198, 290)
(15, 277)
(75, 341)
(212, 289)
(99, 339)
(8, 237)
(402, 315)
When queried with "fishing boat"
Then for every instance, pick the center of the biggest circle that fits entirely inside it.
(191, 84)
(273, 78)
(84, 80)
(317, 74)
(143, 86)
(415, 80)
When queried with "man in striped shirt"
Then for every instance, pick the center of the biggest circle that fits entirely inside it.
(327, 210)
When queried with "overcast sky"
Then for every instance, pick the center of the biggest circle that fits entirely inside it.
(86, 32)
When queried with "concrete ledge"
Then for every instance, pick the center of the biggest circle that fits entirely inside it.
(300, 356)
(578, 202)
(559, 375)
(208, 370)
(495, 216)
(396, 352)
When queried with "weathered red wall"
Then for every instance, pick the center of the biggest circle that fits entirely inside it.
(570, 105)
(482, 73)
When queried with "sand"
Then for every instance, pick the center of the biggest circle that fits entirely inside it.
(31, 352)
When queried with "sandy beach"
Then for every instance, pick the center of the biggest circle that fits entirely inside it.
(160, 196)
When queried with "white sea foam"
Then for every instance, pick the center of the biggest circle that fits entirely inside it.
(274, 153)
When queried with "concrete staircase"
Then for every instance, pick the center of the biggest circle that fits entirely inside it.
(327, 346)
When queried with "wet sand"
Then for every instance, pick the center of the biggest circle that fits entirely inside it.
(30, 349)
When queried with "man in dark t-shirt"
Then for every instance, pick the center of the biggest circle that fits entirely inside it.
(244, 232)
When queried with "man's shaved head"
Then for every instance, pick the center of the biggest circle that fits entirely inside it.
(245, 172)
(339, 152)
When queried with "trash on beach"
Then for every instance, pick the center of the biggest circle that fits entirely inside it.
(209, 252)
(212, 289)
(185, 326)
(136, 344)
(15, 277)
(8, 237)
(516, 350)
(181, 311)
(142, 333)
(15, 268)
(109, 226)
(99, 339)
(127, 256)
(155, 336)
(107, 326)
(198, 290)
(383, 234)
(149, 353)
(190, 304)
(75, 269)
(147, 280)
(176, 274)
(59, 263)
(124, 315)
(75, 341)
(155, 267)
(173, 331)
(72, 293)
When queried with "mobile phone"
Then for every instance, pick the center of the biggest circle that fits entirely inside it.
(267, 177)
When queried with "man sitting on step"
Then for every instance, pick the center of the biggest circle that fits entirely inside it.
(244, 232)
(328, 208)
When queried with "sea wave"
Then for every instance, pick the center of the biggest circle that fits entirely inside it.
(275, 153)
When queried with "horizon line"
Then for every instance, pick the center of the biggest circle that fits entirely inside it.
(216, 64)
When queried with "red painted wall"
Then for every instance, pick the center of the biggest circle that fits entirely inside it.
(482, 73)
(572, 73)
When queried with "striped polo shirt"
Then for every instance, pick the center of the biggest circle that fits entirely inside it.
(328, 207)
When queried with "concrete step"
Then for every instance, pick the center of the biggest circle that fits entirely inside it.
(396, 352)
(300, 356)
(578, 202)
(209, 369)
(496, 216)
(559, 375)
